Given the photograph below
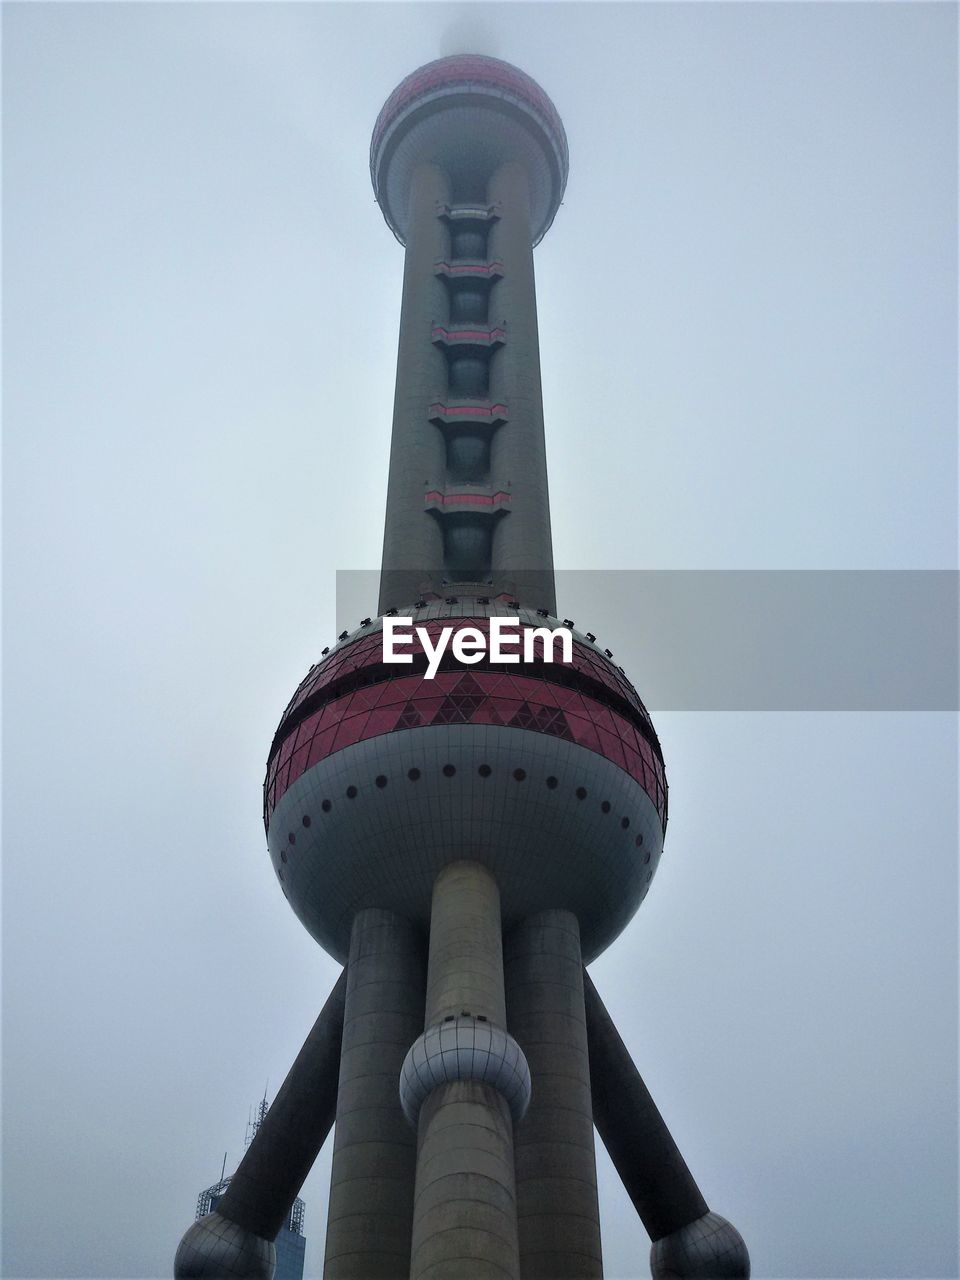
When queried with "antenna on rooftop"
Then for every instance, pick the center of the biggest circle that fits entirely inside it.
(255, 1119)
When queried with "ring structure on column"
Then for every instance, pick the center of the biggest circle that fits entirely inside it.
(464, 1048)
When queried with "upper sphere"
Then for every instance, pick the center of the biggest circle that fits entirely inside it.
(548, 773)
(470, 114)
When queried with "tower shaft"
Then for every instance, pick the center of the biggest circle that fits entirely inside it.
(524, 543)
(467, 500)
(412, 540)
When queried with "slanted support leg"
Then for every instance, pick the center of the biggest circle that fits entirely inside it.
(689, 1242)
(236, 1240)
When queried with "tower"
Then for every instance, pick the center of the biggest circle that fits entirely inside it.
(465, 830)
(289, 1243)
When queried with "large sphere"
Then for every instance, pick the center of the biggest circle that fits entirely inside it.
(470, 114)
(549, 774)
(710, 1248)
(214, 1248)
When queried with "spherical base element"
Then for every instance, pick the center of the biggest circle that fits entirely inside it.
(708, 1249)
(215, 1248)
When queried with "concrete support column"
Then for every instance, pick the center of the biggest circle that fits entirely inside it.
(374, 1154)
(412, 539)
(465, 1214)
(559, 1217)
(522, 545)
(465, 969)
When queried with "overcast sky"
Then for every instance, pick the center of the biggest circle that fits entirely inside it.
(748, 327)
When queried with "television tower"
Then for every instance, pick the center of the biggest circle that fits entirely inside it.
(464, 842)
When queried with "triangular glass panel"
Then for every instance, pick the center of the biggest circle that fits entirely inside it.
(409, 718)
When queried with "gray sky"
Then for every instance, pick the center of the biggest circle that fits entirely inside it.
(748, 328)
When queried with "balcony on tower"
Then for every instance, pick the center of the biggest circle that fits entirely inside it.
(468, 427)
(468, 286)
(457, 337)
(487, 499)
(467, 349)
(472, 269)
(468, 225)
(475, 413)
(467, 515)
